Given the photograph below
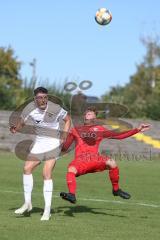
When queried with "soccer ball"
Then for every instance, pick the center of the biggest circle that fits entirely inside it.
(103, 16)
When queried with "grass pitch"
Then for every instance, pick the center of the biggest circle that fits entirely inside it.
(97, 214)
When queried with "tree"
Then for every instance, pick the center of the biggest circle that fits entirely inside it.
(142, 94)
(10, 80)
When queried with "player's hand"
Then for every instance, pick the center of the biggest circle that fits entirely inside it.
(13, 129)
(144, 127)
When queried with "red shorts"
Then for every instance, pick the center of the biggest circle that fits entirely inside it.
(89, 163)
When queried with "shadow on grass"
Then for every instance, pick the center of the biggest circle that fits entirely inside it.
(28, 214)
(71, 210)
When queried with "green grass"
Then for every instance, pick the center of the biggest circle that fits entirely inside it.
(89, 218)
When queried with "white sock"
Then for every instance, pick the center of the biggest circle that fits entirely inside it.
(47, 193)
(27, 186)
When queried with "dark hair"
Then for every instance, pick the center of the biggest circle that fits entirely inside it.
(40, 90)
(91, 109)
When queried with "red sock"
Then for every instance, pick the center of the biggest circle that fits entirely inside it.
(114, 177)
(71, 182)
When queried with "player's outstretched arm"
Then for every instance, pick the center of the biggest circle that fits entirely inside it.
(126, 134)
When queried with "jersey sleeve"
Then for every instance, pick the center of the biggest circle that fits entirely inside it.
(120, 135)
(27, 111)
(62, 114)
(24, 116)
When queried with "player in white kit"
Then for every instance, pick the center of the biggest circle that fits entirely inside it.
(46, 117)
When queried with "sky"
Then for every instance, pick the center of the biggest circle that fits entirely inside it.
(67, 43)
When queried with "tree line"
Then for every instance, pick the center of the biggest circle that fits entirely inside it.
(14, 89)
(141, 94)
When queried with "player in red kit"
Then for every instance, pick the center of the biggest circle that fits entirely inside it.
(87, 159)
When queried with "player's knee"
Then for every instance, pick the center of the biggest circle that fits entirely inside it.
(47, 175)
(111, 163)
(72, 170)
(27, 169)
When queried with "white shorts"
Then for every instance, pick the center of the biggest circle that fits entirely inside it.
(45, 149)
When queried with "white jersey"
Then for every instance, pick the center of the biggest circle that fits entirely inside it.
(47, 126)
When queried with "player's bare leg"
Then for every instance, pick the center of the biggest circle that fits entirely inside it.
(71, 181)
(29, 166)
(114, 177)
(47, 188)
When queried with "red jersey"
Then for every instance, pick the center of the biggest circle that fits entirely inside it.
(87, 138)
